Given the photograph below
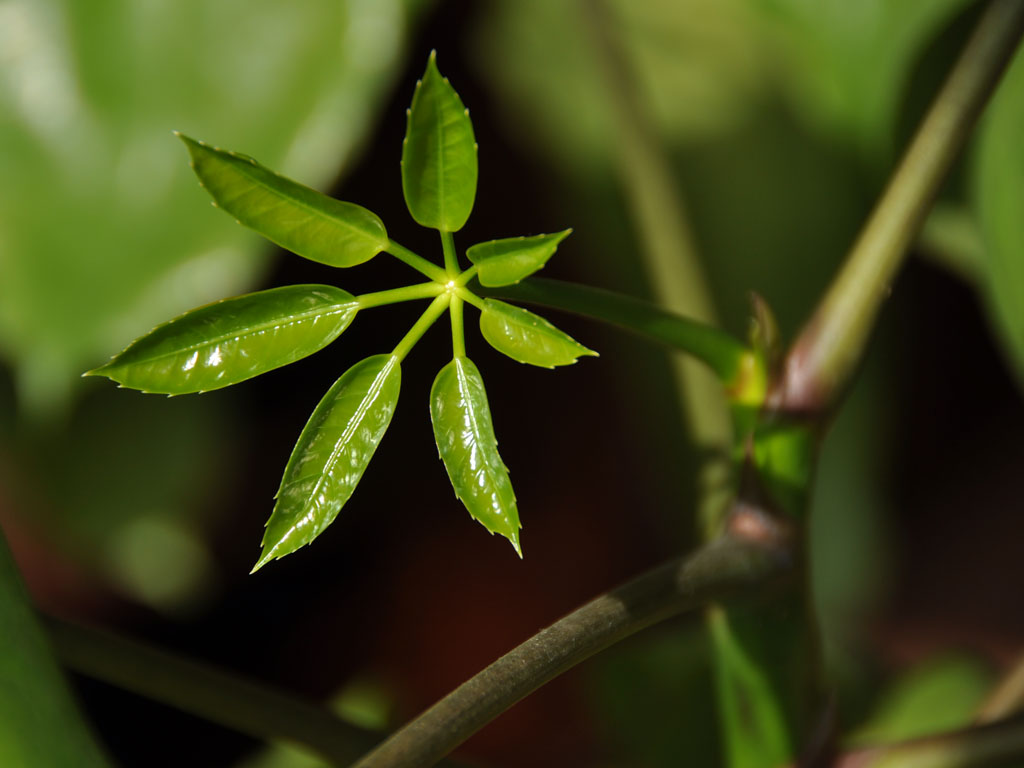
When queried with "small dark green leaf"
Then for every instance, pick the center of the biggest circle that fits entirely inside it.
(331, 454)
(294, 216)
(469, 450)
(233, 340)
(526, 337)
(504, 262)
(439, 167)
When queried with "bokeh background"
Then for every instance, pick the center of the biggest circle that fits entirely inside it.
(778, 120)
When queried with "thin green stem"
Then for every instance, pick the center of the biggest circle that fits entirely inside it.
(725, 567)
(417, 262)
(451, 261)
(205, 691)
(458, 331)
(720, 351)
(427, 319)
(466, 276)
(832, 343)
(396, 295)
(470, 298)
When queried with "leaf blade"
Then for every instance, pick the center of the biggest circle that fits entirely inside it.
(507, 261)
(468, 448)
(232, 340)
(527, 337)
(294, 216)
(439, 162)
(337, 443)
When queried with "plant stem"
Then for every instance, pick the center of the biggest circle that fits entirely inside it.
(1006, 698)
(395, 295)
(1000, 743)
(417, 262)
(458, 332)
(831, 344)
(466, 276)
(427, 319)
(451, 261)
(722, 352)
(724, 567)
(206, 691)
(658, 211)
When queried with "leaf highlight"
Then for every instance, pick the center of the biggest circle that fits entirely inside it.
(466, 443)
(232, 340)
(332, 453)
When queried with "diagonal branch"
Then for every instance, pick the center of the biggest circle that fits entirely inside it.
(727, 566)
(831, 344)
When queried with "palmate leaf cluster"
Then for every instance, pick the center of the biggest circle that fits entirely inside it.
(238, 338)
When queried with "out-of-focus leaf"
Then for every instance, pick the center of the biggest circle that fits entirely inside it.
(465, 439)
(699, 64)
(332, 453)
(999, 200)
(504, 262)
(849, 64)
(102, 232)
(39, 725)
(439, 168)
(936, 696)
(294, 216)
(233, 340)
(526, 337)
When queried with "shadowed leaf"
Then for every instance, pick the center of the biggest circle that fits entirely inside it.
(504, 262)
(526, 337)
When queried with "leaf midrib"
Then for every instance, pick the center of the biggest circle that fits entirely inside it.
(292, 320)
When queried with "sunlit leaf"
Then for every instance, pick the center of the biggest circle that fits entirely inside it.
(999, 199)
(439, 168)
(332, 453)
(39, 725)
(233, 340)
(294, 216)
(469, 450)
(526, 337)
(504, 262)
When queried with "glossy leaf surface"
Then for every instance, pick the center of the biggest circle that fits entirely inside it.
(439, 165)
(526, 337)
(504, 262)
(233, 340)
(290, 214)
(332, 453)
(469, 450)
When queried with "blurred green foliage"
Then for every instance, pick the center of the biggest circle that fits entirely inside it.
(781, 118)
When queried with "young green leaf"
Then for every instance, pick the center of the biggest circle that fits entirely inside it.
(294, 216)
(469, 450)
(439, 167)
(233, 340)
(331, 454)
(504, 262)
(526, 337)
